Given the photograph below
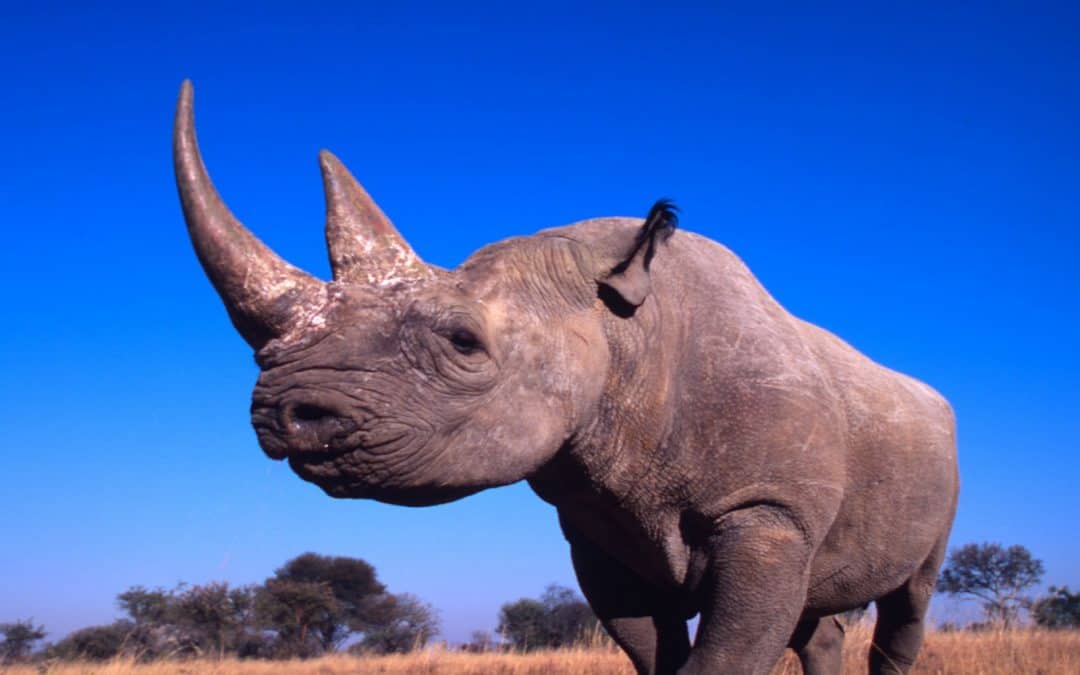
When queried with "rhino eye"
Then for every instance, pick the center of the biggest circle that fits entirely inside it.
(464, 341)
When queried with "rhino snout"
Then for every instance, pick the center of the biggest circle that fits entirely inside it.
(302, 426)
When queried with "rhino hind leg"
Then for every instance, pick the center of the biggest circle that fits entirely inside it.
(652, 633)
(655, 645)
(901, 622)
(819, 644)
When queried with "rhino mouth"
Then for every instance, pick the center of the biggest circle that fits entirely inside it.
(338, 478)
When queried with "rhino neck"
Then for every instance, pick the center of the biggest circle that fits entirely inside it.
(625, 438)
(611, 481)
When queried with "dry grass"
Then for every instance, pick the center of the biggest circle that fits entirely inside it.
(1002, 652)
(990, 653)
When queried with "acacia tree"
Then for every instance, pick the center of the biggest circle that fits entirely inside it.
(216, 619)
(304, 614)
(314, 602)
(145, 606)
(994, 575)
(19, 639)
(151, 634)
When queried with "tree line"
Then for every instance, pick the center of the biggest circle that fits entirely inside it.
(317, 604)
(312, 605)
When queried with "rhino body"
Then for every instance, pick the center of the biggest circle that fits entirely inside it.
(707, 452)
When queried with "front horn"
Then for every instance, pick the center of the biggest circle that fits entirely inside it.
(265, 296)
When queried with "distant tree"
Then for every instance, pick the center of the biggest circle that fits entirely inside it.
(352, 581)
(314, 602)
(521, 623)
(995, 575)
(19, 639)
(568, 617)
(145, 606)
(305, 616)
(1059, 609)
(480, 641)
(405, 624)
(96, 643)
(214, 619)
(558, 619)
(201, 620)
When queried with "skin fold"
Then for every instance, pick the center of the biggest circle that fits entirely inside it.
(707, 452)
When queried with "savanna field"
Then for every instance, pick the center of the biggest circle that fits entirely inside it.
(991, 653)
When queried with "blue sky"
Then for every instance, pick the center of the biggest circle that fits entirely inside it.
(906, 178)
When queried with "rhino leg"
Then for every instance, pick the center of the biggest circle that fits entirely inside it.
(753, 593)
(898, 633)
(649, 630)
(819, 644)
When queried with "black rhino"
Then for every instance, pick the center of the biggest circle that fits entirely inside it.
(707, 452)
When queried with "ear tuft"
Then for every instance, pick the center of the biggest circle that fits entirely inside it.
(660, 224)
(629, 278)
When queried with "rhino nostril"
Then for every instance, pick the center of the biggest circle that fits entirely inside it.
(306, 417)
(306, 412)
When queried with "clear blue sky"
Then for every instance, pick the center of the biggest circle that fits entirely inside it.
(907, 178)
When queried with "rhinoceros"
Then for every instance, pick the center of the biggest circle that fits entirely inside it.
(707, 452)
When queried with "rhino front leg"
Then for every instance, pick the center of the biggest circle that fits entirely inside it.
(753, 593)
(651, 632)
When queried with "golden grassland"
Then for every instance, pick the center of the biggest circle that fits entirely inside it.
(985, 653)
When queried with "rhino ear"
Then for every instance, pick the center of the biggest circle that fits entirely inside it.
(625, 284)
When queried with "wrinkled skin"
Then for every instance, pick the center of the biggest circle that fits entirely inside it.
(706, 451)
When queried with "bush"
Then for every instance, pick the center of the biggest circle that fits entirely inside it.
(96, 643)
(1059, 609)
(558, 619)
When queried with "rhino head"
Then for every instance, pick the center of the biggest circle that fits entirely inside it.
(398, 380)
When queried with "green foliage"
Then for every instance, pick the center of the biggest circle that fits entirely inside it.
(1059, 609)
(993, 574)
(405, 624)
(19, 639)
(558, 619)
